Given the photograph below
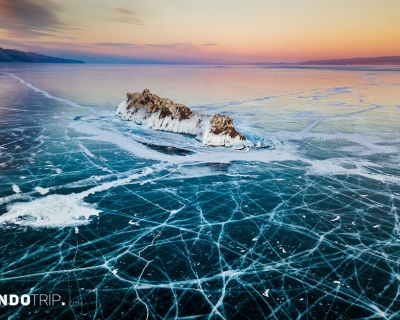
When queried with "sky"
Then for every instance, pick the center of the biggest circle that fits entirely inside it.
(202, 32)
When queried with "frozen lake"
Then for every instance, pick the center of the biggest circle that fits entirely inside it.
(121, 221)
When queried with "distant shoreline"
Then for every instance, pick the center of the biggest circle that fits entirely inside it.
(15, 56)
(383, 68)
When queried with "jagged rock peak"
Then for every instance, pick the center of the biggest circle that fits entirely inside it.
(224, 125)
(154, 103)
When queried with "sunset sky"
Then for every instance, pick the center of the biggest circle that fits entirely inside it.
(206, 31)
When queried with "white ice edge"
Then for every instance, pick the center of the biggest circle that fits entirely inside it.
(334, 166)
(210, 155)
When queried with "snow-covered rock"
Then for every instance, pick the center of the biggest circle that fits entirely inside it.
(164, 114)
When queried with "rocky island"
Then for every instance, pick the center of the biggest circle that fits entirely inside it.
(164, 114)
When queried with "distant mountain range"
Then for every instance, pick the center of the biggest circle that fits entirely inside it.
(10, 55)
(391, 60)
(376, 61)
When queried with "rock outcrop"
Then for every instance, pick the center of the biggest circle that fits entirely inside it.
(164, 114)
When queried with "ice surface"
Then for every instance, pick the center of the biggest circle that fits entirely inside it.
(141, 223)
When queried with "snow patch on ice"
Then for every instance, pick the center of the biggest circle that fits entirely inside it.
(61, 210)
(16, 189)
(41, 190)
(51, 211)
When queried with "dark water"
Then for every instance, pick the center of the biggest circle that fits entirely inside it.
(117, 221)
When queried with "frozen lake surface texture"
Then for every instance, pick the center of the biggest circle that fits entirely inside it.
(125, 222)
